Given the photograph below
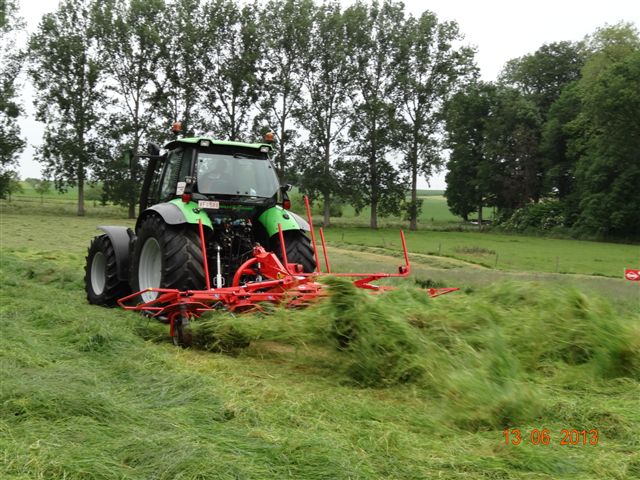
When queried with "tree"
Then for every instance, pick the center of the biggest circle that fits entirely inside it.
(128, 38)
(430, 69)
(511, 146)
(470, 176)
(10, 184)
(233, 50)
(286, 29)
(374, 31)
(178, 92)
(608, 171)
(558, 134)
(42, 187)
(11, 145)
(323, 109)
(542, 75)
(65, 70)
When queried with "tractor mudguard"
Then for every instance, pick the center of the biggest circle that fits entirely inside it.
(120, 238)
(288, 220)
(176, 212)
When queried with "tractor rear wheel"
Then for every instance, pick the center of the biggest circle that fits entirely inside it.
(299, 249)
(101, 274)
(166, 256)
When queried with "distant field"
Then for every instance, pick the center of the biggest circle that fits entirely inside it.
(504, 252)
(435, 213)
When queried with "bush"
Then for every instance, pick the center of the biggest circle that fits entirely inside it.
(544, 216)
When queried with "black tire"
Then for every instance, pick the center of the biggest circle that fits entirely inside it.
(173, 258)
(299, 249)
(101, 274)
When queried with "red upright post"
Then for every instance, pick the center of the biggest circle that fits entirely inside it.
(204, 255)
(313, 235)
(324, 251)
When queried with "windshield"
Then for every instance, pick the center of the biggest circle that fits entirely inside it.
(236, 175)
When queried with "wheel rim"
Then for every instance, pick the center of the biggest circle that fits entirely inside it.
(150, 268)
(98, 273)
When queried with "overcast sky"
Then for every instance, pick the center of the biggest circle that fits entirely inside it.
(499, 29)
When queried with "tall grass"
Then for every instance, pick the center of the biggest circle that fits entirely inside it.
(396, 385)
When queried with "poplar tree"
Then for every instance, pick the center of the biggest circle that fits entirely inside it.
(285, 28)
(11, 144)
(429, 70)
(129, 37)
(66, 72)
(230, 66)
(324, 107)
(375, 34)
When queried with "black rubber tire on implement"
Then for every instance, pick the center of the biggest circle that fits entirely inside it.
(101, 274)
(299, 249)
(177, 257)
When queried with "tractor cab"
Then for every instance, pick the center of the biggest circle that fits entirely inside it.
(204, 169)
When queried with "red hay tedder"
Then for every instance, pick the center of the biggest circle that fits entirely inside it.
(276, 282)
(206, 201)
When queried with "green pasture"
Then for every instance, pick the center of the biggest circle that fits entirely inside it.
(500, 251)
(358, 387)
(435, 214)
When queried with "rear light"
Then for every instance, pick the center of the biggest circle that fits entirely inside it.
(286, 204)
(186, 197)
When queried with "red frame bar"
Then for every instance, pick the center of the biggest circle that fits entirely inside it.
(313, 236)
(204, 255)
(283, 248)
(324, 251)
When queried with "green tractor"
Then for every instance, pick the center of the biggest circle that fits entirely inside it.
(230, 188)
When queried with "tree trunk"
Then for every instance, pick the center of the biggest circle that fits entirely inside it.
(132, 210)
(81, 210)
(413, 221)
(374, 215)
(374, 185)
(480, 216)
(326, 222)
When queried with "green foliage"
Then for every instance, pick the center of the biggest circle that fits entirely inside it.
(233, 46)
(542, 75)
(375, 31)
(285, 27)
(9, 184)
(133, 65)
(66, 73)
(537, 217)
(609, 168)
(323, 108)
(429, 70)
(470, 173)
(11, 144)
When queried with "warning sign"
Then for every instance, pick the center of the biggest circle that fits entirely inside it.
(633, 275)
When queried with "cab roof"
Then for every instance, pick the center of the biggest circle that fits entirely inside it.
(194, 140)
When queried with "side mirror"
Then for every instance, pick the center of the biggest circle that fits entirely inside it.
(286, 187)
(153, 149)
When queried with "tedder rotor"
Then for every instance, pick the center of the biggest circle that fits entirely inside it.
(215, 232)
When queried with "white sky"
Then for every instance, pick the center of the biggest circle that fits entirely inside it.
(499, 29)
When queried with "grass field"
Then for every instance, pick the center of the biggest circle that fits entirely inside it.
(503, 252)
(424, 390)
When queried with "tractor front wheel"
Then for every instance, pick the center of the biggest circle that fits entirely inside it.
(166, 256)
(299, 249)
(101, 274)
